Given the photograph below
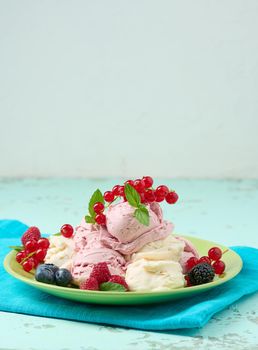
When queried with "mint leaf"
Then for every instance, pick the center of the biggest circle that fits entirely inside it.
(142, 215)
(57, 234)
(89, 219)
(96, 197)
(113, 287)
(18, 248)
(132, 196)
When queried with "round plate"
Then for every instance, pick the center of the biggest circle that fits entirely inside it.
(233, 267)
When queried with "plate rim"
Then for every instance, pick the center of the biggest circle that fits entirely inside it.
(182, 290)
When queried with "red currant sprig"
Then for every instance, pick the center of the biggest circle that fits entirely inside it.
(143, 186)
(34, 252)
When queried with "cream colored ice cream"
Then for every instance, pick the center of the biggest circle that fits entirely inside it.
(152, 275)
(169, 248)
(60, 252)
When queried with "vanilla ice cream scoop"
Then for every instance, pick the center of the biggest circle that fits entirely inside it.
(151, 275)
(169, 248)
(60, 251)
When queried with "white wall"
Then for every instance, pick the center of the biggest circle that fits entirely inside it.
(100, 88)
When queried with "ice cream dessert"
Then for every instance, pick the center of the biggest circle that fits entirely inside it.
(90, 250)
(60, 252)
(122, 244)
(124, 233)
(154, 275)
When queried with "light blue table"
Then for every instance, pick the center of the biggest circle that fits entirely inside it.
(223, 211)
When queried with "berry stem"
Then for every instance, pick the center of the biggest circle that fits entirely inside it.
(27, 257)
(225, 251)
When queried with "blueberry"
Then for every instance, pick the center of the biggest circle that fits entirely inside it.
(52, 267)
(63, 277)
(45, 275)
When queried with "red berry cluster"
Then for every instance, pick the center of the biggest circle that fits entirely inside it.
(99, 274)
(34, 249)
(147, 193)
(213, 259)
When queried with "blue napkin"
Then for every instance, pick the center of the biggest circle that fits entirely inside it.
(193, 312)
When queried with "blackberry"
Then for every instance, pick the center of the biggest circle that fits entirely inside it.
(201, 273)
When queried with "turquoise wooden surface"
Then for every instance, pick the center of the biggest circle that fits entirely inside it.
(224, 211)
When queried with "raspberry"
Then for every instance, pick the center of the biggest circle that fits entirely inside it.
(101, 272)
(120, 280)
(90, 284)
(201, 273)
(32, 234)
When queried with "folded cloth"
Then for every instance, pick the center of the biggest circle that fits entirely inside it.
(192, 312)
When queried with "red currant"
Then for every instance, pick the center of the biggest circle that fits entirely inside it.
(158, 198)
(98, 207)
(205, 259)
(162, 191)
(121, 191)
(188, 283)
(219, 267)
(149, 196)
(139, 185)
(109, 196)
(172, 197)
(191, 262)
(100, 219)
(43, 243)
(215, 253)
(129, 182)
(148, 181)
(67, 230)
(115, 190)
(31, 246)
(142, 195)
(35, 261)
(28, 265)
(40, 254)
(20, 256)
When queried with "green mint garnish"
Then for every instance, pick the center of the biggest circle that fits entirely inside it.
(18, 248)
(89, 219)
(142, 215)
(132, 196)
(113, 287)
(141, 212)
(96, 197)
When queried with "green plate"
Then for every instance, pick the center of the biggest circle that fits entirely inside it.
(233, 267)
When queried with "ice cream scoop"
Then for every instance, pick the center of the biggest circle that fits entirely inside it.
(60, 252)
(189, 252)
(169, 248)
(126, 234)
(122, 224)
(90, 250)
(150, 275)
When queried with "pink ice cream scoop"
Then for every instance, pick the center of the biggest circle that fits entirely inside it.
(189, 252)
(90, 250)
(126, 234)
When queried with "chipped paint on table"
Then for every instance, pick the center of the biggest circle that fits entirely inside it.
(223, 211)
